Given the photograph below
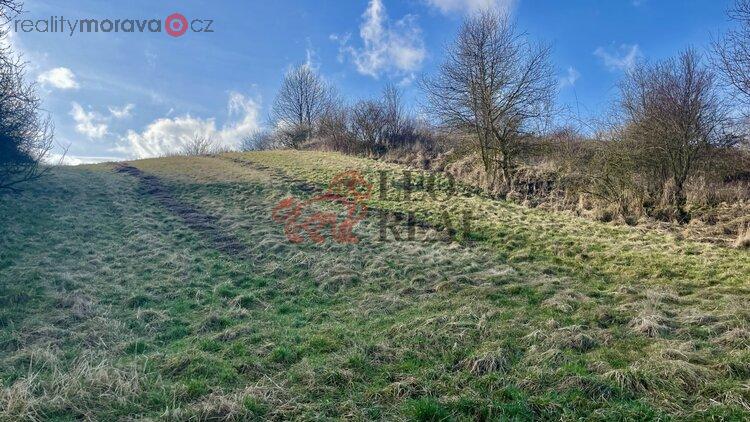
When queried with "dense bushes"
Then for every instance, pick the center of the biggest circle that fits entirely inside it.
(369, 127)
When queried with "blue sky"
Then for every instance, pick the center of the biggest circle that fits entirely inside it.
(131, 95)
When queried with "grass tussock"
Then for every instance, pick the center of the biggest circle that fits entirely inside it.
(743, 238)
(650, 324)
(81, 389)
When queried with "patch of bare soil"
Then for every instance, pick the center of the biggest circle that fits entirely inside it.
(204, 224)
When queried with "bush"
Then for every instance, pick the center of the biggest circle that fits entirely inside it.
(293, 136)
(374, 127)
(259, 140)
(200, 145)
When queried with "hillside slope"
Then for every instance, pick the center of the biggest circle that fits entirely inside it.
(169, 289)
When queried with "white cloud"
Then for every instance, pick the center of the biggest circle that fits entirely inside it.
(89, 123)
(570, 78)
(75, 160)
(248, 112)
(386, 47)
(121, 112)
(471, 6)
(312, 60)
(166, 135)
(624, 57)
(310, 57)
(59, 77)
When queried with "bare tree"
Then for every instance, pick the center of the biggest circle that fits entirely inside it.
(369, 125)
(334, 129)
(732, 51)
(26, 132)
(495, 85)
(200, 145)
(301, 101)
(401, 128)
(675, 117)
(395, 118)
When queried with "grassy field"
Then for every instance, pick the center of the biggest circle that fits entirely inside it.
(165, 290)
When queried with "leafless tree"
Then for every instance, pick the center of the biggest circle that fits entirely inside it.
(26, 132)
(675, 117)
(732, 51)
(200, 145)
(395, 119)
(9, 9)
(334, 129)
(369, 125)
(302, 99)
(401, 128)
(495, 85)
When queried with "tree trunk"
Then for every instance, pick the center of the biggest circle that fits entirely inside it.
(680, 200)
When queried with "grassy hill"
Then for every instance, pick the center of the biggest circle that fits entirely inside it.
(165, 289)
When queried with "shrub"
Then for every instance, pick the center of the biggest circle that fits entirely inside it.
(200, 145)
(258, 141)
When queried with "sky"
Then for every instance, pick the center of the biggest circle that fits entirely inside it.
(125, 95)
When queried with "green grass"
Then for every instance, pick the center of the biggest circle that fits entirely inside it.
(112, 307)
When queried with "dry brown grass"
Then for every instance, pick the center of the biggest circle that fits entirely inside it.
(743, 239)
(497, 361)
(81, 389)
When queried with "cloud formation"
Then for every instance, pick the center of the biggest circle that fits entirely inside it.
(624, 57)
(169, 135)
(59, 77)
(89, 123)
(75, 160)
(387, 47)
(121, 112)
(570, 78)
(471, 6)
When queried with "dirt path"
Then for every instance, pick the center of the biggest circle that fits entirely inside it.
(204, 224)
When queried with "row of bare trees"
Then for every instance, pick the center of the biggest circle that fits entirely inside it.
(495, 92)
(307, 111)
(495, 85)
(673, 115)
(671, 123)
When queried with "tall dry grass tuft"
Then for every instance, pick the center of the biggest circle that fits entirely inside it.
(79, 389)
(743, 238)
